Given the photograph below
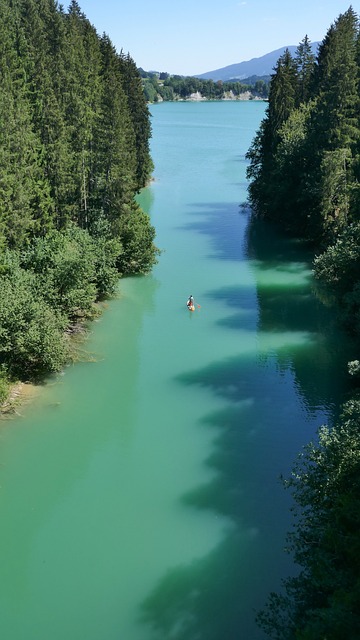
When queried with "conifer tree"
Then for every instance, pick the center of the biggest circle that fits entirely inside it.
(80, 97)
(73, 153)
(305, 63)
(42, 71)
(333, 130)
(282, 96)
(114, 142)
(262, 171)
(25, 202)
(140, 117)
(324, 195)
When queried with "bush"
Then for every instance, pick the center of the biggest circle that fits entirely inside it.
(32, 339)
(338, 271)
(64, 264)
(137, 238)
(322, 601)
(4, 386)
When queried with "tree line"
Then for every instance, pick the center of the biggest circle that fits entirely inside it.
(74, 151)
(304, 171)
(163, 86)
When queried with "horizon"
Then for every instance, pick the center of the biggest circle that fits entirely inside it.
(195, 38)
(234, 64)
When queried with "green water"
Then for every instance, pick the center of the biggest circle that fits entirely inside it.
(139, 494)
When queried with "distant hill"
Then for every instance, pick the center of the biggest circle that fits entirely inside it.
(262, 66)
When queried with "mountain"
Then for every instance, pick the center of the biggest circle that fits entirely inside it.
(262, 66)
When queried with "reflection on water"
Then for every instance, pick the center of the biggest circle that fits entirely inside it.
(289, 307)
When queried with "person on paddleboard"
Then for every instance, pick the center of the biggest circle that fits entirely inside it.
(190, 303)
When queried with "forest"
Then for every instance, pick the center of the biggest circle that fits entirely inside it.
(74, 151)
(304, 171)
(166, 87)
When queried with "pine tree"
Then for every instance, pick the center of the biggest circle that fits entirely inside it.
(305, 63)
(25, 203)
(73, 153)
(282, 96)
(336, 81)
(80, 99)
(333, 130)
(262, 171)
(114, 143)
(313, 171)
(42, 71)
(132, 84)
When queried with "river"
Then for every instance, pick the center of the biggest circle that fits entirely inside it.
(140, 495)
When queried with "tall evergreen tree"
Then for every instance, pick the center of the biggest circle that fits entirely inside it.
(324, 194)
(282, 96)
(42, 70)
(305, 63)
(333, 130)
(25, 203)
(262, 171)
(114, 142)
(80, 97)
(132, 84)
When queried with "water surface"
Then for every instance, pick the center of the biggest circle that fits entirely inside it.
(139, 493)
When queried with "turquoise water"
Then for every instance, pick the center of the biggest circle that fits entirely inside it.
(139, 494)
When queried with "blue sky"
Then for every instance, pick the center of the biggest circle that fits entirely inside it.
(194, 36)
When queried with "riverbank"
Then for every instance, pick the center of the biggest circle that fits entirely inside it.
(229, 96)
(20, 393)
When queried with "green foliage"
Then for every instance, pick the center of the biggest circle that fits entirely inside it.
(316, 104)
(74, 150)
(140, 118)
(74, 269)
(338, 271)
(322, 601)
(168, 88)
(354, 367)
(262, 171)
(107, 251)
(282, 94)
(334, 192)
(75, 143)
(305, 160)
(305, 64)
(55, 281)
(65, 268)
(32, 339)
(4, 385)
(150, 90)
(137, 237)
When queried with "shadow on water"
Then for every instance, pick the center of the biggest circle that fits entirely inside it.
(287, 302)
(240, 299)
(220, 221)
(274, 402)
(254, 439)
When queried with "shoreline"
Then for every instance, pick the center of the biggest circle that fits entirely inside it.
(20, 393)
(200, 98)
